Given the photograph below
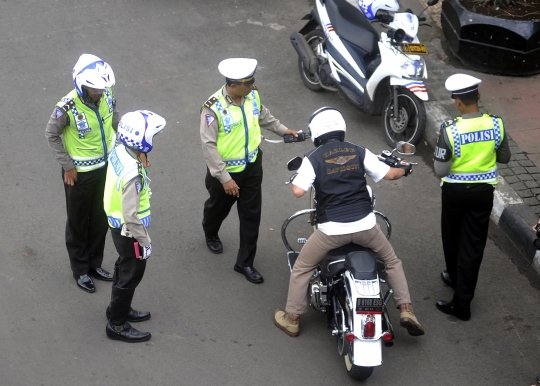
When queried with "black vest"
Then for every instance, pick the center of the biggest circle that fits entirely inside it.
(340, 182)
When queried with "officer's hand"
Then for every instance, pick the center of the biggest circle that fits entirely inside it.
(231, 188)
(145, 161)
(70, 177)
(293, 132)
(146, 251)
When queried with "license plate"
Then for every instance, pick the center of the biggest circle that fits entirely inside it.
(414, 48)
(369, 305)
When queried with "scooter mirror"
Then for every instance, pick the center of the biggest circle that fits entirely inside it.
(294, 164)
(405, 148)
(399, 35)
(432, 2)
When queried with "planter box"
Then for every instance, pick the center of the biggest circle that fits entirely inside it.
(489, 44)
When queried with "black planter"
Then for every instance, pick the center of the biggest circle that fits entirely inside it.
(490, 44)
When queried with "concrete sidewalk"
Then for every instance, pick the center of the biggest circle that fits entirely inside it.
(517, 101)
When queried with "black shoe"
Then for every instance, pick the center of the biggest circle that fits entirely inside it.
(133, 315)
(214, 244)
(445, 276)
(250, 273)
(126, 333)
(451, 309)
(101, 274)
(85, 282)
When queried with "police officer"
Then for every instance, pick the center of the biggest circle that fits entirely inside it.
(337, 170)
(87, 119)
(127, 205)
(467, 151)
(231, 122)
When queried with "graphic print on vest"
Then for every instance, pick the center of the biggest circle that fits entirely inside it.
(341, 160)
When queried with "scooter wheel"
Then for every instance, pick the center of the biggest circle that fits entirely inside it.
(313, 39)
(410, 124)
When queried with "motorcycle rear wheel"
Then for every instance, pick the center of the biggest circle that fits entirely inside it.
(411, 122)
(359, 373)
(313, 38)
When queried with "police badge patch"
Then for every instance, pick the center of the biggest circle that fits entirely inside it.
(209, 119)
(58, 112)
(138, 186)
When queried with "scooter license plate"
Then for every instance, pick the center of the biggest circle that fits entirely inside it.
(414, 48)
(369, 305)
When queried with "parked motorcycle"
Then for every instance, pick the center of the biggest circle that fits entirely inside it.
(339, 50)
(347, 286)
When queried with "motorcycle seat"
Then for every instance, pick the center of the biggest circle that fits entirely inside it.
(352, 25)
(355, 258)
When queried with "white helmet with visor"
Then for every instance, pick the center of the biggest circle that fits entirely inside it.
(137, 129)
(90, 71)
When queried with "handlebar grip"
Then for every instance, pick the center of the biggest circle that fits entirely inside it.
(422, 19)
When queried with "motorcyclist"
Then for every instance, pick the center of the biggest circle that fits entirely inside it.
(337, 170)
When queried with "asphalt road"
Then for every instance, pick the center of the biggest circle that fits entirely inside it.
(210, 326)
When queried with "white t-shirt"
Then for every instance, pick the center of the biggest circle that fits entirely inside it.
(373, 167)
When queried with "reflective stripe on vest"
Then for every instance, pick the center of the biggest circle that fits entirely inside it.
(474, 142)
(89, 137)
(239, 133)
(122, 169)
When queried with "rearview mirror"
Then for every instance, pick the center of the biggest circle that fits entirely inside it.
(432, 2)
(294, 164)
(405, 148)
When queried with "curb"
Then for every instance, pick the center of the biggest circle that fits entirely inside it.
(509, 212)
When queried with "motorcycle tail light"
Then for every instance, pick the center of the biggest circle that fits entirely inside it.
(349, 336)
(369, 330)
(387, 337)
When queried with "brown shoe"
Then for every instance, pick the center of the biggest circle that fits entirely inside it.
(287, 322)
(409, 321)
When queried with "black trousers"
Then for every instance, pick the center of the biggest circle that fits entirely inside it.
(86, 225)
(464, 225)
(218, 206)
(128, 270)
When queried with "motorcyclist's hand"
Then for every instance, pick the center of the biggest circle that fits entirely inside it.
(231, 188)
(70, 177)
(405, 166)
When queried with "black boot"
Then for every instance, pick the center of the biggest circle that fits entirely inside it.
(118, 328)
(134, 316)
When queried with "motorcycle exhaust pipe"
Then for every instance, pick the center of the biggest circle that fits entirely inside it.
(305, 52)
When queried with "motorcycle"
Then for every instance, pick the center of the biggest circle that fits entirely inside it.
(346, 286)
(339, 50)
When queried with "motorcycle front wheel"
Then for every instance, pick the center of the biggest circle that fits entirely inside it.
(359, 373)
(314, 38)
(411, 120)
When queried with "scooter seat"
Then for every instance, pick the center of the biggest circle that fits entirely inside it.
(352, 25)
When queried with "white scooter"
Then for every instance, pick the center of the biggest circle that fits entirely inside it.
(339, 50)
(346, 286)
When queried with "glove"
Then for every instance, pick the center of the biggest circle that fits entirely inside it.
(405, 166)
(146, 251)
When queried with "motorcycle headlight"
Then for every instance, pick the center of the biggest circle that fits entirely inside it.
(413, 68)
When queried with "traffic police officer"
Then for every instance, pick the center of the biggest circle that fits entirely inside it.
(231, 122)
(465, 158)
(87, 119)
(127, 205)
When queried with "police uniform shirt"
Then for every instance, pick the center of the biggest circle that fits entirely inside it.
(374, 168)
(443, 151)
(209, 133)
(54, 130)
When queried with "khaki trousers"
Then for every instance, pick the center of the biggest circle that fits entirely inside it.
(315, 250)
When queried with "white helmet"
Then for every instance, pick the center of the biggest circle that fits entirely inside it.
(326, 120)
(92, 72)
(137, 129)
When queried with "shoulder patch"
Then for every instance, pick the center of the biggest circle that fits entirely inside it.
(138, 187)
(209, 119)
(210, 102)
(65, 106)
